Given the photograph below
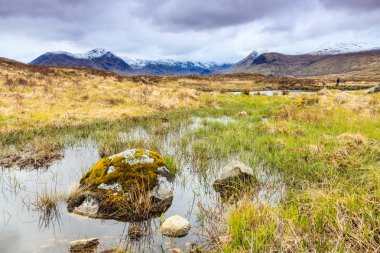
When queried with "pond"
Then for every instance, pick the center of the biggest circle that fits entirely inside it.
(273, 92)
(25, 229)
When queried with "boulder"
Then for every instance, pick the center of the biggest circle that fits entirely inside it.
(130, 186)
(374, 89)
(175, 226)
(84, 245)
(233, 174)
(234, 170)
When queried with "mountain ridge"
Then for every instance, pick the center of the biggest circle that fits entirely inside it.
(105, 60)
(340, 59)
(361, 64)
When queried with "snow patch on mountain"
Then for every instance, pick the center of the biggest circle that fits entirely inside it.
(95, 53)
(140, 63)
(92, 54)
(333, 48)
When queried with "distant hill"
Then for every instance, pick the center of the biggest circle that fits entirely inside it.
(329, 62)
(104, 60)
(96, 59)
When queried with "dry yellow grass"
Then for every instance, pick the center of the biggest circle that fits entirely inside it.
(71, 97)
(33, 97)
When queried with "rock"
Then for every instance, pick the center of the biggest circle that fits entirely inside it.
(374, 89)
(234, 170)
(231, 176)
(89, 206)
(175, 226)
(130, 186)
(84, 245)
(163, 191)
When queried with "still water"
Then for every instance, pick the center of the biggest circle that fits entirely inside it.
(23, 229)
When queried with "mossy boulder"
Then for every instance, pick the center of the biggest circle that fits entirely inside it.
(131, 186)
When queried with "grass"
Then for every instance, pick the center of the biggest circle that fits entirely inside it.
(38, 153)
(47, 204)
(328, 154)
(171, 165)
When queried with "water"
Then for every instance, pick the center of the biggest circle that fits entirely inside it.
(273, 92)
(23, 230)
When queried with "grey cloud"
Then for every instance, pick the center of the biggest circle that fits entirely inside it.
(352, 5)
(199, 14)
(42, 8)
(211, 29)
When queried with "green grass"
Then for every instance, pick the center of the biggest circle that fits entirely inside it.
(329, 159)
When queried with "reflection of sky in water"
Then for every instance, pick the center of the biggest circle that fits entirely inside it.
(20, 231)
(272, 92)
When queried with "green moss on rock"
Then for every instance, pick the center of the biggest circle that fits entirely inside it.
(116, 182)
(127, 174)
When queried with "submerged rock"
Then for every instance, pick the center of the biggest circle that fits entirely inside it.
(84, 245)
(131, 186)
(175, 226)
(374, 89)
(233, 174)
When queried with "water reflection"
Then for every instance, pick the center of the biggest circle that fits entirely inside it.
(273, 92)
(27, 228)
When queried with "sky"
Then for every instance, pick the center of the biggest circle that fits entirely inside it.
(204, 30)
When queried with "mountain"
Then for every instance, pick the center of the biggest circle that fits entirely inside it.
(171, 67)
(96, 59)
(333, 62)
(333, 48)
(105, 60)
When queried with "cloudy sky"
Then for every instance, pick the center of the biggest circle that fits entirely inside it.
(206, 30)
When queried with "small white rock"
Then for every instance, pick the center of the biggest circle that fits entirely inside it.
(175, 226)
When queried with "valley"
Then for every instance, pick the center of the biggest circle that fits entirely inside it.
(174, 126)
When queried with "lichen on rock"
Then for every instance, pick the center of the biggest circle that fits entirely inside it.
(131, 185)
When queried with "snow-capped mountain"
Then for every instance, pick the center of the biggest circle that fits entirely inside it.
(173, 67)
(356, 59)
(140, 63)
(97, 58)
(334, 48)
(254, 54)
(105, 60)
(92, 54)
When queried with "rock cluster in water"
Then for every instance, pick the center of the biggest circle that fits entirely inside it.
(130, 186)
